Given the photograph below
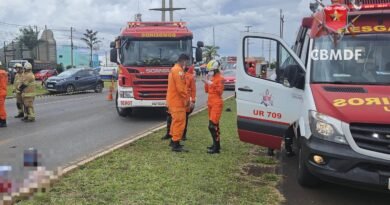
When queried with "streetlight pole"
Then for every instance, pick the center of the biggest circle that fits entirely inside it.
(247, 41)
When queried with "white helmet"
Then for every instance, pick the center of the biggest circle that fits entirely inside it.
(18, 65)
(28, 66)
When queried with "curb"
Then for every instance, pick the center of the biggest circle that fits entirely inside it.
(44, 180)
(58, 94)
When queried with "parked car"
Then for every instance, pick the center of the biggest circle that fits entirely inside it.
(75, 79)
(11, 75)
(230, 79)
(45, 74)
(107, 73)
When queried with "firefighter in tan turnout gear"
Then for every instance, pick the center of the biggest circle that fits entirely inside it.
(28, 93)
(18, 94)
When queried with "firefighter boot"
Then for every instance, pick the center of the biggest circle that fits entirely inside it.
(216, 148)
(167, 136)
(3, 123)
(25, 114)
(212, 132)
(177, 147)
(214, 129)
(20, 111)
(171, 143)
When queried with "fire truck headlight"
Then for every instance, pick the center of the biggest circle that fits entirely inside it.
(326, 128)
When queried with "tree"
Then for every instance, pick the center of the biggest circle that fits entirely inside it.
(29, 38)
(210, 52)
(90, 38)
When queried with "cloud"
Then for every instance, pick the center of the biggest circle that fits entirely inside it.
(227, 16)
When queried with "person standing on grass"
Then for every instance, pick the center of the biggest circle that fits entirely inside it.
(3, 95)
(177, 101)
(191, 95)
(214, 87)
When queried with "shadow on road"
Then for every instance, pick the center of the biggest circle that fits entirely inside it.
(326, 194)
(149, 114)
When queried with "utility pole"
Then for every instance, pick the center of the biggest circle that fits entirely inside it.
(281, 23)
(163, 9)
(269, 57)
(71, 46)
(36, 30)
(214, 36)
(163, 17)
(5, 55)
(47, 44)
(106, 60)
(247, 41)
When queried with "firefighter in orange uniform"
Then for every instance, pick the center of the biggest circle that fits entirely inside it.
(191, 95)
(214, 87)
(3, 94)
(177, 102)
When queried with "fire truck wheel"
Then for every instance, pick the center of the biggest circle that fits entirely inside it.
(305, 178)
(123, 112)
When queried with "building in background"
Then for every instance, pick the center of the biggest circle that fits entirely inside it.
(47, 49)
(45, 52)
(80, 57)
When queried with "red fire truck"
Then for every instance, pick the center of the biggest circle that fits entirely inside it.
(145, 52)
(329, 95)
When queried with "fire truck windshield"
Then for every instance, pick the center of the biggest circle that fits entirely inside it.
(154, 52)
(363, 60)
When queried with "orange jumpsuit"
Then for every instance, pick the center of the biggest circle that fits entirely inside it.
(3, 94)
(177, 101)
(215, 102)
(191, 87)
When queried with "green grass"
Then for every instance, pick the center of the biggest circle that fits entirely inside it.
(39, 90)
(107, 84)
(147, 172)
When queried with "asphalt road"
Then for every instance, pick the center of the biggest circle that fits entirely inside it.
(68, 128)
(326, 194)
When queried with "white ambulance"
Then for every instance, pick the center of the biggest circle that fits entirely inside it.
(330, 93)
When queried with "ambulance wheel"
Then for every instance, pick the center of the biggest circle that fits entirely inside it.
(305, 178)
(123, 112)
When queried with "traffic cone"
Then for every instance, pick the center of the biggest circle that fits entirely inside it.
(109, 96)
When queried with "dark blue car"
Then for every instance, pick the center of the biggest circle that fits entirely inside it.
(75, 79)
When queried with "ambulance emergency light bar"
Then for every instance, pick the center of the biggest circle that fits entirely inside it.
(367, 4)
(149, 24)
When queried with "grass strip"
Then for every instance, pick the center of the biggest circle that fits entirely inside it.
(147, 172)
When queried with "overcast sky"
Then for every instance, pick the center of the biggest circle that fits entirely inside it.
(107, 16)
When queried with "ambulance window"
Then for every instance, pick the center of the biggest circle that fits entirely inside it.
(260, 58)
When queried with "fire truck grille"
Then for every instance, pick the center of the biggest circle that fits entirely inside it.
(153, 77)
(150, 87)
(150, 83)
(152, 94)
(372, 137)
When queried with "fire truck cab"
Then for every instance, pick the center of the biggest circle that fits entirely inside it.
(330, 92)
(145, 52)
